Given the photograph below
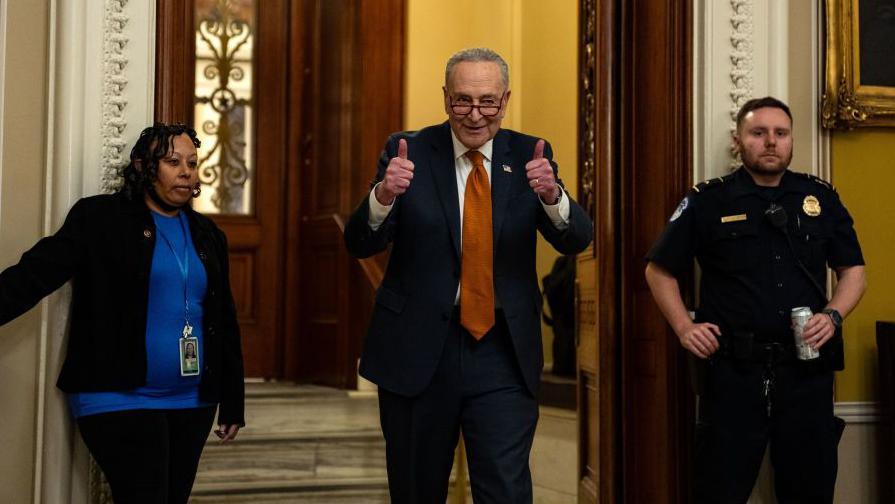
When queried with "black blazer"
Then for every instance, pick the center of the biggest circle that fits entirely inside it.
(414, 303)
(105, 247)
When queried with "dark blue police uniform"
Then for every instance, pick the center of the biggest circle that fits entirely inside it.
(755, 389)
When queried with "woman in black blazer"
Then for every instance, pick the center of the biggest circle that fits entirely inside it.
(150, 288)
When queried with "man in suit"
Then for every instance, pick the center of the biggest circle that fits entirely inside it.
(454, 342)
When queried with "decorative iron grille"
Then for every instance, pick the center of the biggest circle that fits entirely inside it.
(223, 103)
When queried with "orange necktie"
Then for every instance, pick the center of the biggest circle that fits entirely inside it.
(477, 262)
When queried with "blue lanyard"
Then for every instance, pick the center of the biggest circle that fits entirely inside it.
(184, 267)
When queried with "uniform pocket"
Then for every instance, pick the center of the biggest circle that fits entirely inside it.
(812, 242)
(733, 246)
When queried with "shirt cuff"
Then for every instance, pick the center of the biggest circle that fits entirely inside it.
(379, 212)
(558, 212)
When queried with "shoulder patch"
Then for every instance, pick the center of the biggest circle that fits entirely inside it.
(680, 209)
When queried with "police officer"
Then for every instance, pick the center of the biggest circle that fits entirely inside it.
(763, 237)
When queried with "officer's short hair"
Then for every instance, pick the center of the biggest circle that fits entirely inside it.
(757, 103)
(478, 54)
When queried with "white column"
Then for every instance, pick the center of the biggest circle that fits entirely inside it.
(102, 69)
(751, 48)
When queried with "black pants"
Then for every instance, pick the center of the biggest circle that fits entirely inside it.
(478, 389)
(148, 456)
(734, 431)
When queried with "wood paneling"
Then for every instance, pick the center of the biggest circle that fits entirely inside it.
(175, 51)
(655, 168)
(326, 161)
(297, 145)
(598, 275)
(635, 409)
(242, 267)
(351, 86)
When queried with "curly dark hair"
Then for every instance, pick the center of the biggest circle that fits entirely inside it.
(154, 144)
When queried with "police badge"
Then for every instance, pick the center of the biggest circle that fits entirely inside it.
(811, 206)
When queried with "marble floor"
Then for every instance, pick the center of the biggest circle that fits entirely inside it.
(307, 444)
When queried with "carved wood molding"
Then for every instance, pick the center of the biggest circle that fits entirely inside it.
(587, 133)
(599, 94)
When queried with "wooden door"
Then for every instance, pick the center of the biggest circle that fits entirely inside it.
(635, 406)
(220, 68)
(315, 91)
(351, 82)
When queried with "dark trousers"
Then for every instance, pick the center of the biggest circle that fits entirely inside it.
(478, 389)
(148, 456)
(734, 430)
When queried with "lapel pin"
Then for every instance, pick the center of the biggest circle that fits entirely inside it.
(507, 169)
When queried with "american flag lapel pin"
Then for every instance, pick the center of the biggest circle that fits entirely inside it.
(507, 169)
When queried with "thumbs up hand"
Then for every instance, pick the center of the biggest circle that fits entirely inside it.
(540, 176)
(397, 178)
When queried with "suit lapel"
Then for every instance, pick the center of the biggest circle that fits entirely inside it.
(500, 181)
(445, 174)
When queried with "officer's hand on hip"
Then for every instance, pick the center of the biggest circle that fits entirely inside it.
(397, 177)
(540, 176)
(700, 339)
(818, 330)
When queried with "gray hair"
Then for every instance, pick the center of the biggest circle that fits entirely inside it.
(478, 54)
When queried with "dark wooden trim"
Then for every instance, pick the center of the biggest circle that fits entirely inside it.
(175, 49)
(598, 134)
(297, 145)
(683, 396)
(655, 172)
(606, 223)
(271, 95)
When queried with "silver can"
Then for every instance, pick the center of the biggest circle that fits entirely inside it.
(800, 317)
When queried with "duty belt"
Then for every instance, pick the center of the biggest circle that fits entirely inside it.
(742, 346)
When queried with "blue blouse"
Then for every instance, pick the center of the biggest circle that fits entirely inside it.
(165, 388)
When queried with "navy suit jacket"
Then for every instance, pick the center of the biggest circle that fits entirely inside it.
(413, 309)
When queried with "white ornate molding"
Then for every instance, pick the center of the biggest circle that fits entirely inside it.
(742, 56)
(102, 82)
(749, 48)
(114, 102)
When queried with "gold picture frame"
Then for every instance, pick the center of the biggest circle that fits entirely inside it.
(848, 102)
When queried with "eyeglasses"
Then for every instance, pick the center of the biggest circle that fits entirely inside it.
(463, 107)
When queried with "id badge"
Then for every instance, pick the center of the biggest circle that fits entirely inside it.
(189, 356)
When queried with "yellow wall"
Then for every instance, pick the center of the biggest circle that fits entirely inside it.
(435, 31)
(863, 169)
(539, 42)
